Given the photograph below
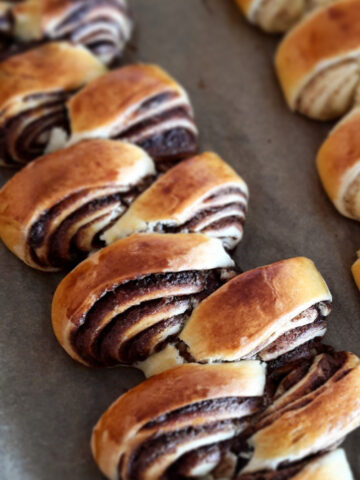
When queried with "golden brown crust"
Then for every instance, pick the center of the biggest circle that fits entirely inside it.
(327, 35)
(130, 258)
(338, 161)
(257, 303)
(51, 67)
(317, 425)
(178, 192)
(54, 177)
(112, 95)
(164, 393)
(356, 271)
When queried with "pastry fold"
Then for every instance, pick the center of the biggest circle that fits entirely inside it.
(127, 301)
(102, 26)
(34, 88)
(277, 16)
(330, 466)
(314, 408)
(180, 424)
(272, 313)
(338, 163)
(317, 62)
(140, 104)
(53, 211)
(199, 195)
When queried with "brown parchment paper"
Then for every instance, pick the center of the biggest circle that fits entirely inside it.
(48, 403)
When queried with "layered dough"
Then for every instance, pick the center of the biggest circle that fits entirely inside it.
(34, 88)
(278, 16)
(127, 301)
(102, 26)
(215, 422)
(200, 195)
(140, 104)
(168, 427)
(272, 313)
(53, 212)
(318, 61)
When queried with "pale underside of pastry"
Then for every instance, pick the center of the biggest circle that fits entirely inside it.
(200, 195)
(53, 212)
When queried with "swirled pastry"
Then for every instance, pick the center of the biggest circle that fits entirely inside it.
(53, 211)
(338, 164)
(34, 87)
(314, 408)
(317, 62)
(180, 424)
(141, 104)
(103, 26)
(199, 195)
(331, 466)
(271, 313)
(130, 299)
(277, 16)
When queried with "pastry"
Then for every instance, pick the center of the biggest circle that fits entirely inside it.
(272, 313)
(317, 62)
(34, 87)
(53, 211)
(338, 163)
(356, 271)
(200, 195)
(330, 466)
(314, 408)
(130, 299)
(103, 26)
(277, 16)
(140, 104)
(179, 424)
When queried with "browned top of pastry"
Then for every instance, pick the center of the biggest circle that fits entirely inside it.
(245, 5)
(325, 36)
(106, 99)
(311, 426)
(169, 391)
(51, 67)
(339, 153)
(51, 178)
(131, 258)
(256, 304)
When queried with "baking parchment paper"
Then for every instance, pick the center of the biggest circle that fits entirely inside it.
(49, 403)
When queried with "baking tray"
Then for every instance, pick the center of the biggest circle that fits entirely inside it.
(49, 403)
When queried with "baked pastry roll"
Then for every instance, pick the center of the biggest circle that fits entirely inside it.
(130, 299)
(272, 313)
(53, 211)
(330, 466)
(356, 271)
(277, 16)
(199, 195)
(141, 104)
(317, 62)
(338, 163)
(103, 26)
(314, 408)
(34, 87)
(180, 424)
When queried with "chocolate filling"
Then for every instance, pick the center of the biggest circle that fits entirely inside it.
(61, 253)
(106, 339)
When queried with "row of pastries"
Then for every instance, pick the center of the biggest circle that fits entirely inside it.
(318, 69)
(113, 188)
